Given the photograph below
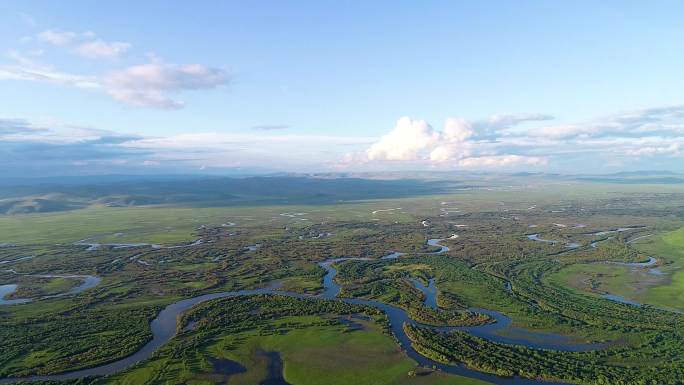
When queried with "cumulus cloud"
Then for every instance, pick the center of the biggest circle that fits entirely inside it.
(149, 85)
(410, 144)
(100, 49)
(457, 130)
(412, 140)
(405, 142)
(453, 141)
(415, 140)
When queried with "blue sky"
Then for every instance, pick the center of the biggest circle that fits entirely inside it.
(109, 87)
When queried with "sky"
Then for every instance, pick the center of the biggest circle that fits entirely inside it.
(91, 87)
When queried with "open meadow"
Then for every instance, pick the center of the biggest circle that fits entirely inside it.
(499, 284)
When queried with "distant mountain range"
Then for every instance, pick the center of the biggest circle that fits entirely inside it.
(50, 194)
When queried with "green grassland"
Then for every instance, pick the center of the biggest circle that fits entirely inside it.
(551, 288)
(669, 247)
(166, 225)
(31, 287)
(170, 224)
(315, 348)
(663, 289)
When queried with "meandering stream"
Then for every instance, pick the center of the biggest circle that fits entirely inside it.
(88, 282)
(164, 327)
(652, 261)
(92, 246)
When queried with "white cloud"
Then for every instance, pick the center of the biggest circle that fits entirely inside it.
(442, 153)
(496, 161)
(450, 151)
(270, 127)
(453, 141)
(497, 124)
(671, 149)
(18, 126)
(215, 149)
(631, 123)
(405, 142)
(416, 141)
(86, 43)
(149, 85)
(20, 59)
(146, 85)
(508, 120)
(50, 131)
(57, 37)
(411, 144)
(227, 141)
(27, 69)
(457, 130)
(100, 49)
(47, 75)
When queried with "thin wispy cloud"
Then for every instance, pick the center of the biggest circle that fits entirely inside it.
(150, 85)
(270, 127)
(496, 161)
(660, 120)
(101, 49)
(497, 124)
(18, 126)
(47, 74)
(28, 146)
(410, 144)
(57, 37)
(85, 44)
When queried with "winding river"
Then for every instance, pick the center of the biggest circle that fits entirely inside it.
(87, 282)
(652, 261)
(430, 242)
(535, 237)
(164, 327)
(96, 246)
